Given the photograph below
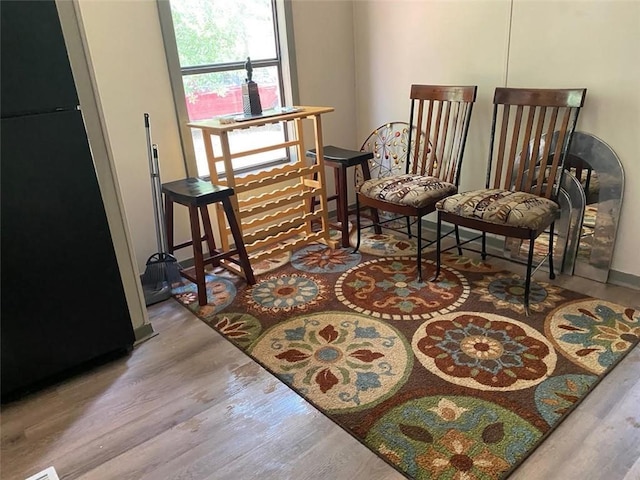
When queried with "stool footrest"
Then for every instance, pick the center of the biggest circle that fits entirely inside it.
(188, 243)
(212, 260)
(219, 255)
(189, 273)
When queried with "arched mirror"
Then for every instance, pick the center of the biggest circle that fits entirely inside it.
(599, 171)
(590, 198)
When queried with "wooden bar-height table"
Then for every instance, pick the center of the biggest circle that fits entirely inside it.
(272, 206)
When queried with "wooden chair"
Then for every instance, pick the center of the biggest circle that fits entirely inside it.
(388, 145)
(439, 117)
(523, 173)
(584, 173)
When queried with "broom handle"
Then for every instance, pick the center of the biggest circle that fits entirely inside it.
(155, 176)
(159, 210)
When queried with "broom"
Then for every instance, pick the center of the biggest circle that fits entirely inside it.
(162, 269)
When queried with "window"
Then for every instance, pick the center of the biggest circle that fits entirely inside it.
(208, 43)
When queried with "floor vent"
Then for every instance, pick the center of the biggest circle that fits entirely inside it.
(48, 474)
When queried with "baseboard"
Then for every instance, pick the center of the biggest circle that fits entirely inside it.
(623, 279)
(143, 332)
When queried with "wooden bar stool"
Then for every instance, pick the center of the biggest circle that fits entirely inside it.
(196, 195)
(340, 159)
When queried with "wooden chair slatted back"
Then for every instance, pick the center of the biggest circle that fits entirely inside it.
(524, 122)
(440, 116)
(580, 169)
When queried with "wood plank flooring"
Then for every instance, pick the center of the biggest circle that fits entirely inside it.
(186, 404)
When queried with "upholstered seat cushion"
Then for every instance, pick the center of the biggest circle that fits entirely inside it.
(409, 190)
(502, 207)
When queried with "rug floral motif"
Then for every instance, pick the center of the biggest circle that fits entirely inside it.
(444, 379)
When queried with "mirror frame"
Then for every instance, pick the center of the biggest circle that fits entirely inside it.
(610, 176)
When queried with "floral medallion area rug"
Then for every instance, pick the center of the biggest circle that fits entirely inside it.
(445, 379)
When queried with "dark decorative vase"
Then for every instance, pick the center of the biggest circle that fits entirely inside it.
(251, 99)
(250, 96)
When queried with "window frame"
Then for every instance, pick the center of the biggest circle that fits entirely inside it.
(284, 62)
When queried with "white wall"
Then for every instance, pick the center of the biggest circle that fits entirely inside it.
(592, 44)
(552, 44)
(403, 42)
(361, 57)
(323, 35)
(125, 44)
(105, 168)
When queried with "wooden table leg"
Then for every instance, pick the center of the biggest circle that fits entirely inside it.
(231, 182)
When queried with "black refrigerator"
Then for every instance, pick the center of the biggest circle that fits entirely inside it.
(63, 305)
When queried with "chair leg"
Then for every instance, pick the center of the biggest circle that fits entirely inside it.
(527, 285)
(457, 232)
(198, 260)
(357, 224)
(337, 180)
(343, 203)
(552, 274)
(484, 246)
(419, 253)
(168, 220)
(366, 174)
(208, 232)
(376, 221)
(438, 229)
(408, 226)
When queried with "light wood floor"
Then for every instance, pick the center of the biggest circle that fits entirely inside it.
(186, 404)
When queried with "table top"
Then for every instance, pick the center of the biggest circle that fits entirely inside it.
(227, 124)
